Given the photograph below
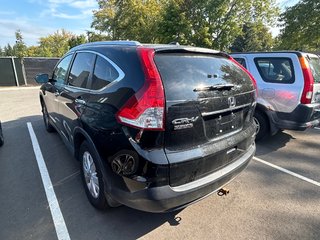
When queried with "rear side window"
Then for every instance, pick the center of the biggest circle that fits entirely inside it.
(275, 70)
(104, 73)
(80, 70)
(60, 72)
(241, 61)
(315, 68)
(183, 73)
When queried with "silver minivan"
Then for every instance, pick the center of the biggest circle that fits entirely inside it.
(288, 85)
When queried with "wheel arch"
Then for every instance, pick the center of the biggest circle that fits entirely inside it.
(79, 136)
(266, 112)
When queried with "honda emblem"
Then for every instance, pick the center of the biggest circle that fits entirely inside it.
(232, 102)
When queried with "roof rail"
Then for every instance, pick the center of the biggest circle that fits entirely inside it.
(101, 43)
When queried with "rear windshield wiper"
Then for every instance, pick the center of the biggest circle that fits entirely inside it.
(218, 87)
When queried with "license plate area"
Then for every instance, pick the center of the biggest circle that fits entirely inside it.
(223, 123)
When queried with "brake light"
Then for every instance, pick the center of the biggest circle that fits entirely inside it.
(246, 70)
(145, 109)
(308, 81)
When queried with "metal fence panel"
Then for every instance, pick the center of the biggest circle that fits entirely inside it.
(7, 77)
(17, 62)
(33, 66)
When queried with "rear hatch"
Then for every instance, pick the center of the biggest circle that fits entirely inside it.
(208, 104)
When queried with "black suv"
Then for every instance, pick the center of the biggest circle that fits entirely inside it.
(155, 127)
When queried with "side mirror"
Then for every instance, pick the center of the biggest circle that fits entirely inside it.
(42, 78)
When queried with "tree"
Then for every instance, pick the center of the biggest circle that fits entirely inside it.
(128, 19)
(204, 23)
(77, 40)
(55, 45)
(300, 24)
(33, 51)
(216, 24)
(20, 48)
(8, 50)
(95, 37)
(255, 37)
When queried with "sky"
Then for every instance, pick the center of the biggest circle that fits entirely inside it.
(38, 18)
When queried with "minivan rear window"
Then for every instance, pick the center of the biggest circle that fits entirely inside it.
(275, 70)
(315, 68)
(182, 73)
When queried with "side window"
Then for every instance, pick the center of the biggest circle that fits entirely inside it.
(59, 73)
(275, 70)
(80, 70)
(104, 73)
(241, 61)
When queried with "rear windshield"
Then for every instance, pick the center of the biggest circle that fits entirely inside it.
(183, 73)
(315, 68)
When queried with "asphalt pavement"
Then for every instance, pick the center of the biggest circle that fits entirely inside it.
(264, 202)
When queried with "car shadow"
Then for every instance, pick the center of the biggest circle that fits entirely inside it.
(273, 143)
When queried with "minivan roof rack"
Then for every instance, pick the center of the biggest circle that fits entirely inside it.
(101, 43)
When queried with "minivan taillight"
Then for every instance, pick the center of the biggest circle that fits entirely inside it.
(246, 70)
(145, 109)
(308, 81)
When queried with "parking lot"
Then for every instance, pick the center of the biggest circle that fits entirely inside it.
(276, 197)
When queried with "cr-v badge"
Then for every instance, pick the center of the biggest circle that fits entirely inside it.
(184, 123)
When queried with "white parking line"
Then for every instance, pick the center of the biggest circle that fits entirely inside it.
(288, 172)
(58, 220)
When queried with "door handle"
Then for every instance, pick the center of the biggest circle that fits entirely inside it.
(80, 101)
(57, 93)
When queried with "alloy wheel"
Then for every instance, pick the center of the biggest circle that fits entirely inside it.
(90, 174)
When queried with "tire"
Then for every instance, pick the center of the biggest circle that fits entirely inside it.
(262, 123)
(46, 120)
(91, 175)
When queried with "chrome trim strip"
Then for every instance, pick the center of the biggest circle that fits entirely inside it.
(216, 175)
(118, 69)
(195, 100)
(225, 110)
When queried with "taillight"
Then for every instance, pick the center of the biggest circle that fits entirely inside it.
(145, 109)
(308, 81)
(246, 70)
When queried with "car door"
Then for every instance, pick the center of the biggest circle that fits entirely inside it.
(54, 87)
(75, 94)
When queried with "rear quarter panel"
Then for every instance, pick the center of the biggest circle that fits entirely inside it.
(279, 97)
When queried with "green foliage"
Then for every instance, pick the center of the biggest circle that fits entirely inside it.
(204, 23)
(301, 24)
(77, 40)
(128, 19)
(20, 48)
(95, 37)
(8, 50)
(255, 37)
(56, 44)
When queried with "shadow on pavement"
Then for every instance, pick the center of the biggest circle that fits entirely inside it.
(273, 143)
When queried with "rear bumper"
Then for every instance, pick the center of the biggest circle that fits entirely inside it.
(303, 117)
(167, 198)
